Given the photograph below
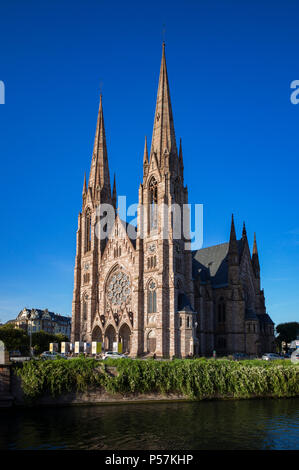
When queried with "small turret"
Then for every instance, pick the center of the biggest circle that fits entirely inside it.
(233, 255)
(145, 157)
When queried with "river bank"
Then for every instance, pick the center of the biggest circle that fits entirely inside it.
(197, 425)
(88, 381)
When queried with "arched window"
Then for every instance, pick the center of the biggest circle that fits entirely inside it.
(153, 196)
(87, 230)
(85, 307)
(152, 298)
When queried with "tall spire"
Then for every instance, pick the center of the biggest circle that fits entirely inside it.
(99, 173)
(163, 131)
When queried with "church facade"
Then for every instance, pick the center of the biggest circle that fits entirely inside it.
(147, 292)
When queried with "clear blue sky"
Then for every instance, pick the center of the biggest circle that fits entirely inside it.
(230, 65)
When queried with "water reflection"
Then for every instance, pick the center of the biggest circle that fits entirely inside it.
(252, 424)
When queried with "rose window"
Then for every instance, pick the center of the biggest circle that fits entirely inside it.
(118, 289)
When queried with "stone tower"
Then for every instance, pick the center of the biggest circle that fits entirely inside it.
(89, 248)
(166, 268)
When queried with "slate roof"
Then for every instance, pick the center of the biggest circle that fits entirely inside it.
(264, 318)
(210, 264)
(184, 304)
(38, 313)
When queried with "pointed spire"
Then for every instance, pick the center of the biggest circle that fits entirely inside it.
(99, 172)
(181, 153)
(163, 131)
(244, 233)
(255, 258)
(233, 255)
(233, 252)
(84, 191)
(114, 194)
(254, 249)
(232, 231)
(145, 153)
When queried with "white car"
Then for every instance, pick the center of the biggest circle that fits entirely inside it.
(52, 355)
(113, 355)
(270, 357)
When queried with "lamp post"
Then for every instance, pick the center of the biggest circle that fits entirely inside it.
(30, 338)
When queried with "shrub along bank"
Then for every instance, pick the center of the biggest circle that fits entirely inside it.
(195, 379)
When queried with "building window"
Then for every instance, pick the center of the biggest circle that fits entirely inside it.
(85, 307)
(87, 230)
(152, 298)
(153, 196)
(151, 262)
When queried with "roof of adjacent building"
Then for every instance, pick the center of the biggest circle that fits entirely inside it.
(210, 264)
(39, 314)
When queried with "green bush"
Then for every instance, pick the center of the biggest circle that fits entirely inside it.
(196, 379)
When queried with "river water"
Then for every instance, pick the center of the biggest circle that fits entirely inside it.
(250, 424)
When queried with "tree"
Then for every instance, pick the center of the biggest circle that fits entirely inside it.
(15, 339)
(287, 332)
(41, 340)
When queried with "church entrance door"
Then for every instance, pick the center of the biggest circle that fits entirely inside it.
(124, 338)
(110, 338)
(151, 342)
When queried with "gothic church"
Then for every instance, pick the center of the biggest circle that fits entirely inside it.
(148, 293)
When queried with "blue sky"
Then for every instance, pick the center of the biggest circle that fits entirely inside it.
(230, 66)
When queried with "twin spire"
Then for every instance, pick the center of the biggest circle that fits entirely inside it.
(163, 140)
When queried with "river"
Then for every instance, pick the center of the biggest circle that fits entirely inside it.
(248, 424)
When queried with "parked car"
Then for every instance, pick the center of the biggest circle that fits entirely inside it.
(270, 357)
(113, 355)
(15, 354)
(295, 356)
(240, 356)
(52, 355)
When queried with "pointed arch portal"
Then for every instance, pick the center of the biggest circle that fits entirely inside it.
(97, 334)
(124, 338)
(110, 338)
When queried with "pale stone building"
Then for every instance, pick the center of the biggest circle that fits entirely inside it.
(34, 320)
(148, 292)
